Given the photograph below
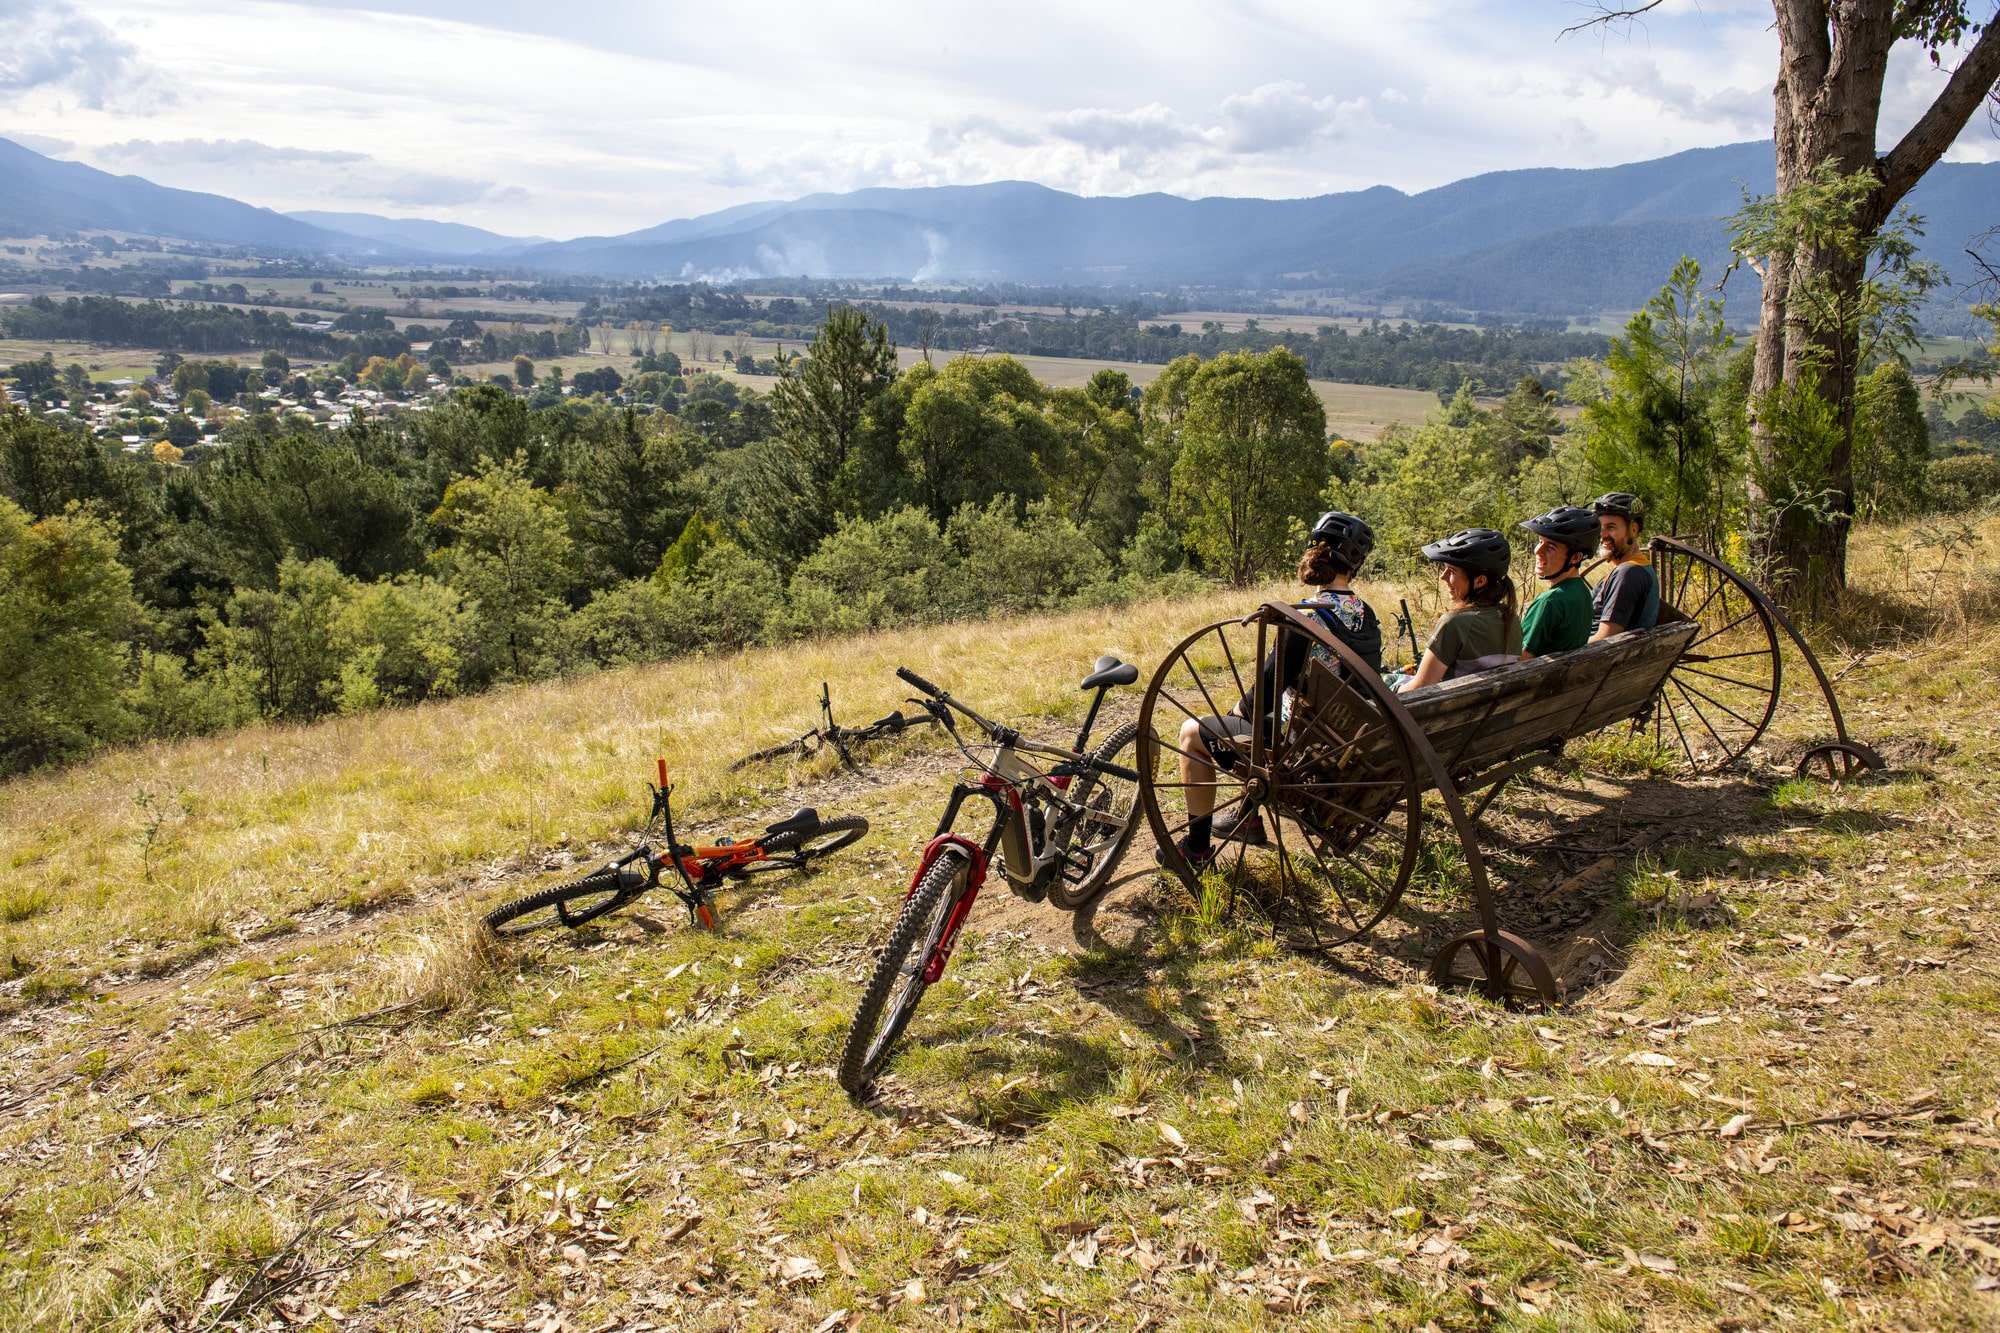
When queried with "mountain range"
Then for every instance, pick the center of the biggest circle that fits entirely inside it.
(1546, 239)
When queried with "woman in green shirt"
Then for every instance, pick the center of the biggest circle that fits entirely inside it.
(1481, 631)
(1561, 618)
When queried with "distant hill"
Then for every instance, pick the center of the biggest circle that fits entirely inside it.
(1538, 241)
(438, 238)
(39, 195)
(1548, 240)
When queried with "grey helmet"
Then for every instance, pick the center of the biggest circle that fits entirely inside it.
(1572, 525)
(1476, 550)
(1620, 504)
(1347, 537)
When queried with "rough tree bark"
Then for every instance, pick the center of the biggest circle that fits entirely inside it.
(1833, 58)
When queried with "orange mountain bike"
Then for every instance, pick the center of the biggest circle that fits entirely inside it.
(789, 844)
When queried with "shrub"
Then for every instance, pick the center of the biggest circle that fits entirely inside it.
(65, 608)
(1965, 482)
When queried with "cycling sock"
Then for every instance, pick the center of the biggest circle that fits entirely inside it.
(1198, 831)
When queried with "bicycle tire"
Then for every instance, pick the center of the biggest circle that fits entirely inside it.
(598, 893)
(823, 839)
(775, 752)
(887, 1007)
(1071, 895)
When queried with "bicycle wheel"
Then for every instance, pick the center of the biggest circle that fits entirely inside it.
(570, 904)
(824, 839)
(897, 983)
(1093, 839)
(775, 752)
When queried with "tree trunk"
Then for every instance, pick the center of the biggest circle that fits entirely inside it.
(1827, 105)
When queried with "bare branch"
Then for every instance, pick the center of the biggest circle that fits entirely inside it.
(1607, 15)
(1971, 83)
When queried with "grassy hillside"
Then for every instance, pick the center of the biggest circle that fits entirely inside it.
(259, 1073)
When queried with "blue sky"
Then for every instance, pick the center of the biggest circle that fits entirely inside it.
(604, 116)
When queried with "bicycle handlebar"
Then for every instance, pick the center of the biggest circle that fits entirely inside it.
(1000, 733)
(1009, 736)
(911, 678)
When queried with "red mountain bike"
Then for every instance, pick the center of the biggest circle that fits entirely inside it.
(1060, 832)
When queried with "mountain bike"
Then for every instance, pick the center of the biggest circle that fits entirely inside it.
(790, 844)
(832, 733)
(1059, 831)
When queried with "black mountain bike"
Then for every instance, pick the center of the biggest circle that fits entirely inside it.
(790, 844)
(832, 733)
(1060, 832)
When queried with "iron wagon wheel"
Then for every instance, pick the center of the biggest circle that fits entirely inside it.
(1719, 698)
(1504, 967)
(1333, 773)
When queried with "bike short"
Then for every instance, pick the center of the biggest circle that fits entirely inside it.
(1213, 730)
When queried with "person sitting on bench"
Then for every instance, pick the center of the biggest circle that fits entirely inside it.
(1561, 618)
(1481, 630)
(1336, 550)
(1629, 598)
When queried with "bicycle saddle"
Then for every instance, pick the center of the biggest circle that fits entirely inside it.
(799, 821)
(1109, 671)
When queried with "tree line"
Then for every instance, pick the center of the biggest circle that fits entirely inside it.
(286, 573)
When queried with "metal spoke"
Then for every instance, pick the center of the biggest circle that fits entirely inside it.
(1765, 651)
(1230, 658)
(1727, 680)
(1703, 719)
(1686, 688)
(1747, 615)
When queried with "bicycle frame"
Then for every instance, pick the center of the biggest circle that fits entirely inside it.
(1006, 779)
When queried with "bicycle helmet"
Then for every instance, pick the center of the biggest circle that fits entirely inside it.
(1572, 525)
(1476, 550)
(1619, 504)
(1350, 539)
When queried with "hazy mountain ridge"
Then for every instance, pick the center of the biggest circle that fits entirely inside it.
(1534, 240)
(443, 238)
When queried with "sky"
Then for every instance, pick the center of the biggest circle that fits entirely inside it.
(603, 116)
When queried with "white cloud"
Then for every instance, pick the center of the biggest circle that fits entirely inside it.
(45, 144)
(1280, 117)
(606, 117)
(214, 152)
(52, 46)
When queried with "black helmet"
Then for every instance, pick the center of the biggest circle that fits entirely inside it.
(1619, 504)
(1572, 525)
(1476, 550)
(1348, 538)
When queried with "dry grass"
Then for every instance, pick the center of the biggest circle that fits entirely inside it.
(1777, 1107)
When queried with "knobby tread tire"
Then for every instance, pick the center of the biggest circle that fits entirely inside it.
(775, 752)
(845, 830)
(500, 920)
(1093, 885)
(872, 1033)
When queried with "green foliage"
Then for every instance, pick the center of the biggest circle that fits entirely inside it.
(511, 555)
(281, 645)
(636, 492)
(1892, 444)
(1964, 482)
(312, 497)
(969, 433)
(65, 609)
(1251, 461)
(1660, 428)
(819, 408)
(401, 641)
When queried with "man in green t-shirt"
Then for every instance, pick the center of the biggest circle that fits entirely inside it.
(1561, 618)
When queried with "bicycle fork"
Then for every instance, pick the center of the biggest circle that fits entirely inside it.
(975, 875)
